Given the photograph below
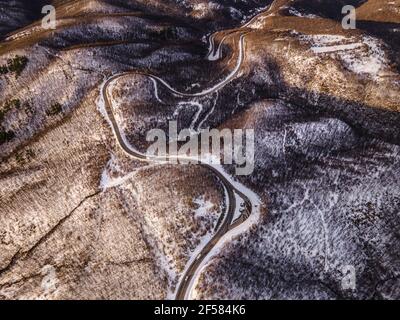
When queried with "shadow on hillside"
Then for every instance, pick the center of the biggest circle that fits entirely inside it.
(385, 32)
(367, 120)
(28, 12)
(327, 9)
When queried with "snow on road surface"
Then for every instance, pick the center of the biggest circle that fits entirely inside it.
(232, 234)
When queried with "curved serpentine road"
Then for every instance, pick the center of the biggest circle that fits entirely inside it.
(187, 280)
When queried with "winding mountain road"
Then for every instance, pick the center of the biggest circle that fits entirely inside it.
(187, 280)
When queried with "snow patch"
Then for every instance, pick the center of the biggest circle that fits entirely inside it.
(363, 56)
(204, 207)
(296, 13)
